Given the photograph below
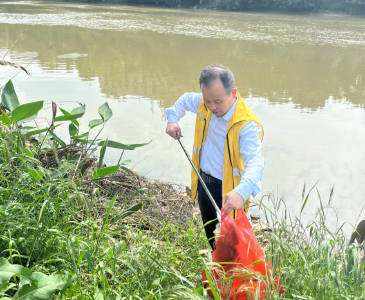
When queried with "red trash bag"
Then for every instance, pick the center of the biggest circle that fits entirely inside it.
(248, 272)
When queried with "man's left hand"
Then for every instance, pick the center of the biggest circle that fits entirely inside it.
(233, 201)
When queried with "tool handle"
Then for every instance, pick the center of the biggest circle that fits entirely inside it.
(200, 178)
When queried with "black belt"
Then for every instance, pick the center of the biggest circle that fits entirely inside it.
(209, 179)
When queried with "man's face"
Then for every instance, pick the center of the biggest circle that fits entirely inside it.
(216, 98)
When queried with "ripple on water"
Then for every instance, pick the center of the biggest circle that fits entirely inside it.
(235, 26)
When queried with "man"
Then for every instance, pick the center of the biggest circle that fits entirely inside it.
(227, 144)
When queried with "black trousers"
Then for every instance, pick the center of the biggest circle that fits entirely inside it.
(207, 210)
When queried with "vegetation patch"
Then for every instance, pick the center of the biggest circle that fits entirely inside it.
(73, 228)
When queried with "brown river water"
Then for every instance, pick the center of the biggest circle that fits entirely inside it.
(302, 75)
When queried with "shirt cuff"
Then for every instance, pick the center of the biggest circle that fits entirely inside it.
(244, 190)
(171, 117)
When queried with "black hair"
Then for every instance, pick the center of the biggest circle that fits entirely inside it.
(211, 73)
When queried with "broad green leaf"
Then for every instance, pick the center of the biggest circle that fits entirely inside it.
(9, 99)
(68, 117)
(62, 143)
(102, 154)
(139, 145)
(72, 129)
(81, 136)
(26, 111)
(8, 270)
(27, 119)
(89, 262)
(65, 112)
(34, 132)
(28, 127)
(117, 145)
(76, 113)
(105, 112)
(6, 119)
(28, 152)
(78, 110)
(44, 290)
(127, 170)
(36, 175)
(105, 171)
(94, 123)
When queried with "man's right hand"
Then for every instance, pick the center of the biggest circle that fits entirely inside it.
(172, 128)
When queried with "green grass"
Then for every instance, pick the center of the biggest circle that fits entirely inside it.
(54, 226)
(312, 261)
(103, 251)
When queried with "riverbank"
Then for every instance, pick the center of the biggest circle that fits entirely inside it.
(80, 236)
(123, 236)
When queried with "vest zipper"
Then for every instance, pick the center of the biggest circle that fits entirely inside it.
(229, 151)
(205, 123)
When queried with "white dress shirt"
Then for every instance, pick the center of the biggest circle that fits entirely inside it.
(212, 153)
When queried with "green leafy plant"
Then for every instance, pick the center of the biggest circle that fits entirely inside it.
(53, 230)
(30, 285)
(9, 98)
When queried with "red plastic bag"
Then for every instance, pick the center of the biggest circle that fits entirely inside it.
(248, 272)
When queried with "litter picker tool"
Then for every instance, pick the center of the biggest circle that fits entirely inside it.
(200, 179)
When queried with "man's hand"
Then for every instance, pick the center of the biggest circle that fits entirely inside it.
(233, 201)
(172, 128)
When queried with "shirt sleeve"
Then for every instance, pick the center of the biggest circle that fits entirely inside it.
(250, 149)
(188, 101)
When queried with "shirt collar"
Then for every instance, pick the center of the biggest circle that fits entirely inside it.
(227, 116)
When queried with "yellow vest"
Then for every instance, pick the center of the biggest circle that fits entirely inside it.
(233, 166)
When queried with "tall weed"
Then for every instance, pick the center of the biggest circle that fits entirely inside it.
(313, 262)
